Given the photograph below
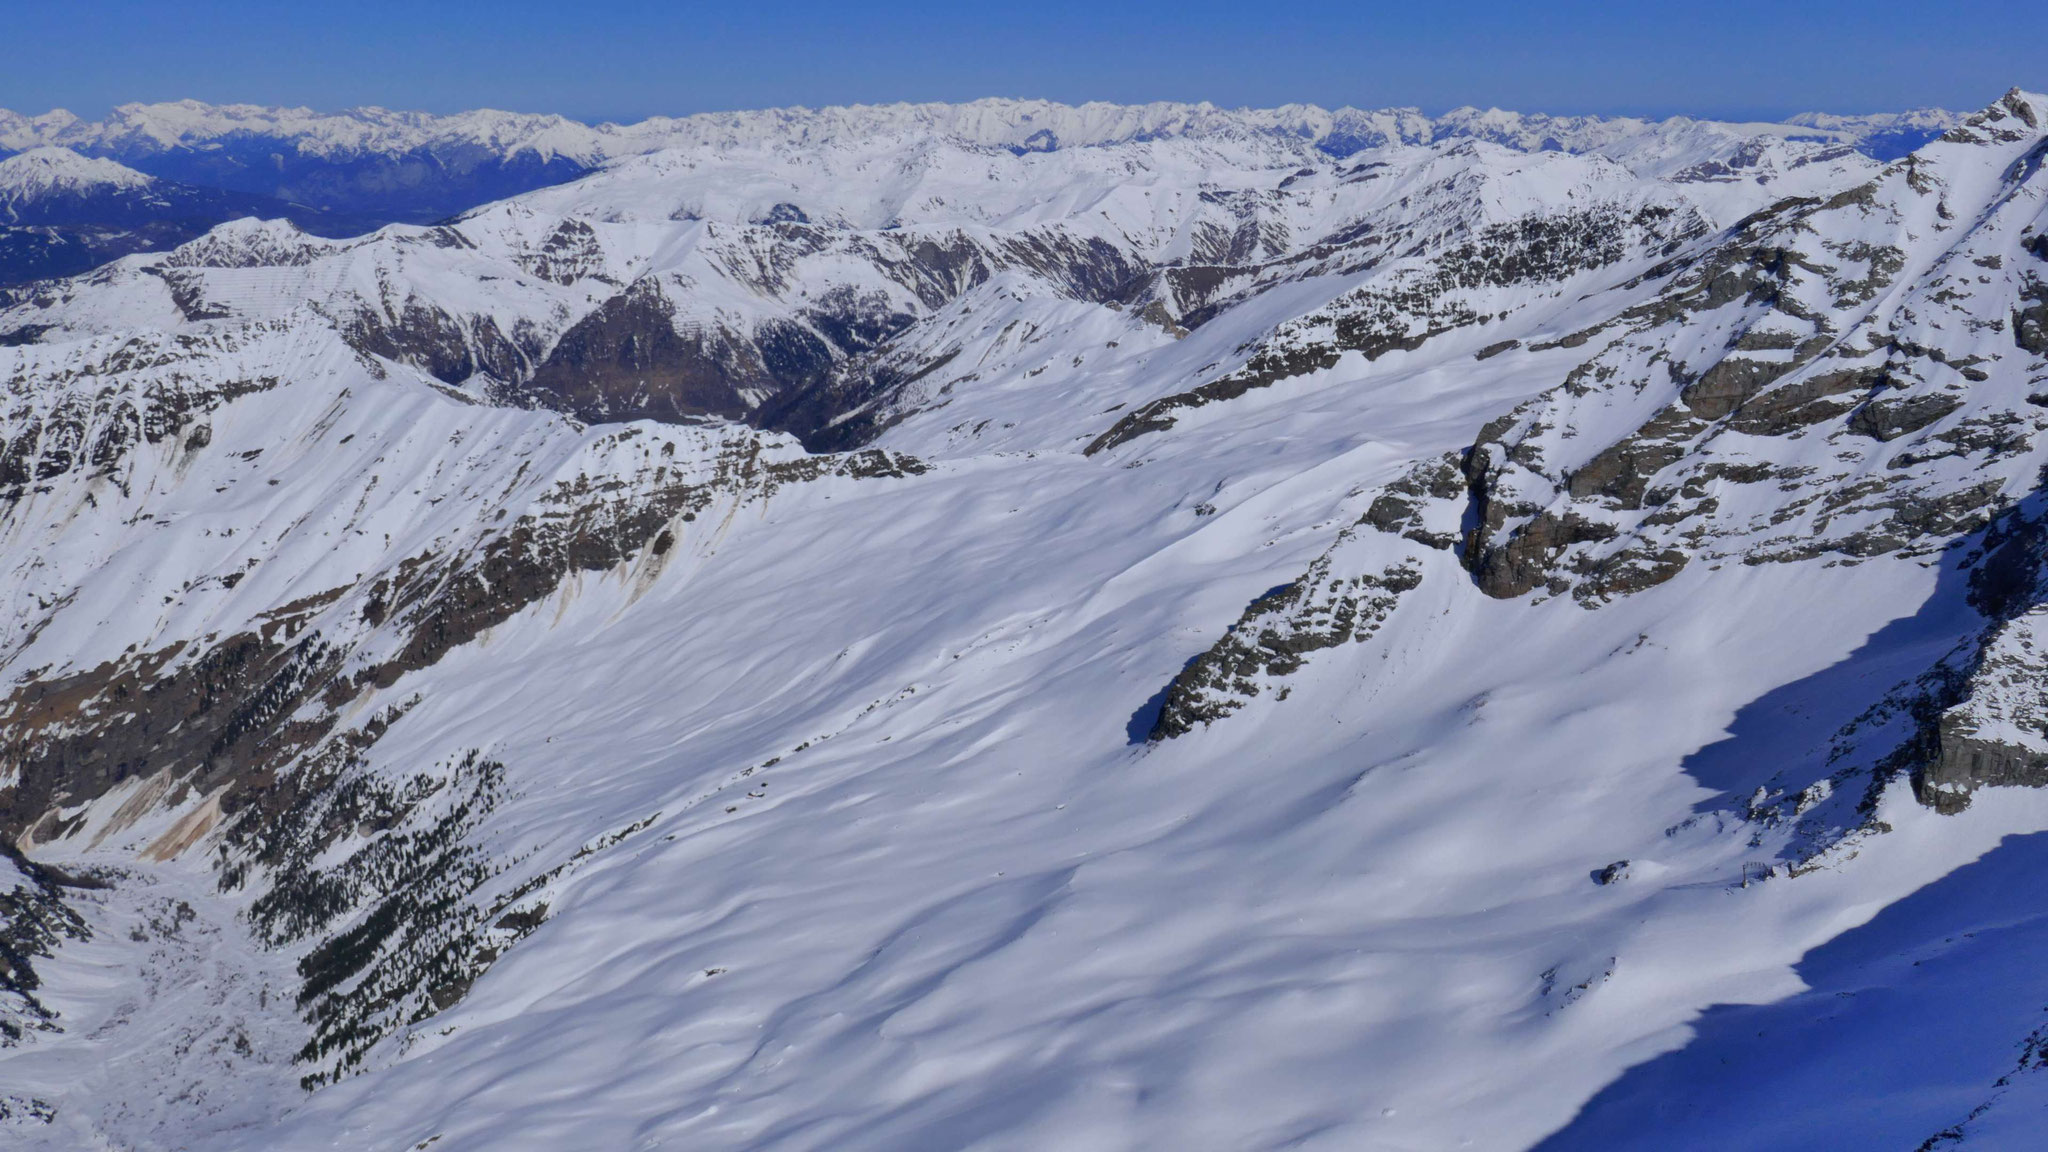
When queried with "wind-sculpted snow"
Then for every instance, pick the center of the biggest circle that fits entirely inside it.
(1286, 650)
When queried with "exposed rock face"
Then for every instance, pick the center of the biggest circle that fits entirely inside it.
(1774, 333)
(627, 360)
(1984, 722)
(570, 253)
(1613, 873)
(1430, 299)
(1423, 505)
(1277, 633)
(33, 919)
(450, 348)
(258, 734)
(86, 416)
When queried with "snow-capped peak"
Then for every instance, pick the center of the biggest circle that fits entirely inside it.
(46, 170)
(1035, 125)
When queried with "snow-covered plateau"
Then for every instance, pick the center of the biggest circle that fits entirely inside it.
(1013, 626)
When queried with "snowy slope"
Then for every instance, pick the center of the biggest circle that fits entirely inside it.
(1385, 651)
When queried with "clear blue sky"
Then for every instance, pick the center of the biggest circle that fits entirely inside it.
(625, 59)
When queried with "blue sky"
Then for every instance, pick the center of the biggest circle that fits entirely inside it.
(624, 59)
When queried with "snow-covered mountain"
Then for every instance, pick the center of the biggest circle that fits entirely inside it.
(865, 629)
(378, 165)
(62, 213)
(32, 178)
(1030, 125)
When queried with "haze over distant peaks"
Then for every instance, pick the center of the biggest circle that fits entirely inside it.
(1036, 124)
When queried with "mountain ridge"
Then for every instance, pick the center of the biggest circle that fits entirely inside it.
(364, 167)
(988, 121)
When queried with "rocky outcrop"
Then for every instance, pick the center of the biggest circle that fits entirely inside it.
(2030, 317)
(1534, 250)
(1405, 507)
(449, 347)
(1983, 719)
(34, 918)
(1766, 336)
(1275, 636)
(87, 416)
(259, 737)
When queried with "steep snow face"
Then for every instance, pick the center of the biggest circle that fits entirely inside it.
(1289, 652)
(46, 171)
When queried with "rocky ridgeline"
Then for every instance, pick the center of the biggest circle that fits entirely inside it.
(1275, 636)
(1828, 381)
(1841, 378)
(1442, 282)
(800, 315)
(254, 732)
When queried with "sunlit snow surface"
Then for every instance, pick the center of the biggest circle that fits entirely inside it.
(966, 906)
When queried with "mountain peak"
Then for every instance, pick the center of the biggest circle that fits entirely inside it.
(2028, 106)
(48, 169)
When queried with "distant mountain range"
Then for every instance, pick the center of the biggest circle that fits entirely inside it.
(349, 172)
(62, 213)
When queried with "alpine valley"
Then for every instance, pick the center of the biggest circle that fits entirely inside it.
(1017, 626)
